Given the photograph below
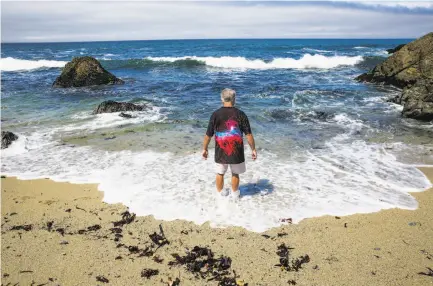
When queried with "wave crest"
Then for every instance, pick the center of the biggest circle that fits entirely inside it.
(12, 64)
(307, 61)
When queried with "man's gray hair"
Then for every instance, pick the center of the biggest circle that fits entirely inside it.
(228, 95)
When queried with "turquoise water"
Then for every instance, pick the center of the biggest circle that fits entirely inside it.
(327, 144)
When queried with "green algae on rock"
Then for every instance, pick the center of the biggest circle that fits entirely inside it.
(85, 71)
(411, 68)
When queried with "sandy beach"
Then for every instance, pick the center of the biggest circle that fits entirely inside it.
(63, 234)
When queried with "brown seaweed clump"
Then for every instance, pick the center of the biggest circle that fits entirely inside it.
(202, 263)
(127, 218)
(287, 264)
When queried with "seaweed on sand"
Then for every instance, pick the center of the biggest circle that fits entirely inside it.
(147, 273)
(26, 227)
(287, 264)
(428, 273)
(202, 263)
(159, 239)
(127, 218)
(102, 279)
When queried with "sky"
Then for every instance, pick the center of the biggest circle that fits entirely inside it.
(69, 21)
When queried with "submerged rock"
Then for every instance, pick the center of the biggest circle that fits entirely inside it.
(125, 115)
(7, 138)
(303, 115)
(85, 71)
(411, 68)
(114, 106)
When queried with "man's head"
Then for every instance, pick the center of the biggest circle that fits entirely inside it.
(228, 95)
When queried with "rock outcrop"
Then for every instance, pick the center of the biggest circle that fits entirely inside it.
(114, 106)
(417, 101)
(85, 71)
(7, 138)
(396, 49)
(410, 68)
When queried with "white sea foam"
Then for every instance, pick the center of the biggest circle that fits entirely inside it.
(360, 47)
(12, 64)
(107, 120)
(307, 61)
(317, 50)
(340, 179)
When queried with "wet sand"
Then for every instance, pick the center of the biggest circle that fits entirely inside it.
(63, 234)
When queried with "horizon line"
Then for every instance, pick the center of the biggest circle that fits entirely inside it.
(205, 39)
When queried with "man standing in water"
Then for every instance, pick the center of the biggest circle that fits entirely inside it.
(228, 123)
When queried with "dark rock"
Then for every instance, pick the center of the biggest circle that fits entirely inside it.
(311, 115)
(396, 49)
(114, 106)
(85, 71)
(418, 100)
(7, 138)
(411, 68)
(405, 67)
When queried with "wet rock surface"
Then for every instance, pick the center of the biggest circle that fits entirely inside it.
(7, 138)
(410, 68)
(114, 106)
(85, 71)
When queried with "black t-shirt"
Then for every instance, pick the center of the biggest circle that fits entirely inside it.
(228, 124)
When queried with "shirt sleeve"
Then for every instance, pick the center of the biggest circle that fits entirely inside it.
(245, 124)
(211, 126)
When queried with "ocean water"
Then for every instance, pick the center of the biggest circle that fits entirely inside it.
(326, 143)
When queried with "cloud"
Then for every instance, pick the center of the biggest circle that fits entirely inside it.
(97, 21)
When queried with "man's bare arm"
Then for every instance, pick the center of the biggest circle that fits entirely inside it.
(252, 144)
(206, 141)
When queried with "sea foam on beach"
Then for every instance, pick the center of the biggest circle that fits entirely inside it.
(340, 178)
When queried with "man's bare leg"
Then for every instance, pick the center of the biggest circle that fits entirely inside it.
(235, 182)
(219, 182)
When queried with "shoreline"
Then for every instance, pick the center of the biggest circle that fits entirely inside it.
(389, 247)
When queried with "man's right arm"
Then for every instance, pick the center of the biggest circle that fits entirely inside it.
(209, 133)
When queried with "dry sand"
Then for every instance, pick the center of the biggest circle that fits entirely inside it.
(386, 248)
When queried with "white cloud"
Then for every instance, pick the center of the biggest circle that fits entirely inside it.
(91, 21)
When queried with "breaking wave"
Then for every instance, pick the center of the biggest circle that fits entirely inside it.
(11, 64)
(307, 61)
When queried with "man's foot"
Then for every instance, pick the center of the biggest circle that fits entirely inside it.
(236, 195)
(224, 192)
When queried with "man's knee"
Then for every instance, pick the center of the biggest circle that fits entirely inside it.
(235, 175)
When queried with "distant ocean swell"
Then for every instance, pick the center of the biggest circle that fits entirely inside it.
(307, 61)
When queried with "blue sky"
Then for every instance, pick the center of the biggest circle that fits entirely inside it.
(52, 21)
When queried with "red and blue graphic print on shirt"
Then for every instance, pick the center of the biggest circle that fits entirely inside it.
(229, 138)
